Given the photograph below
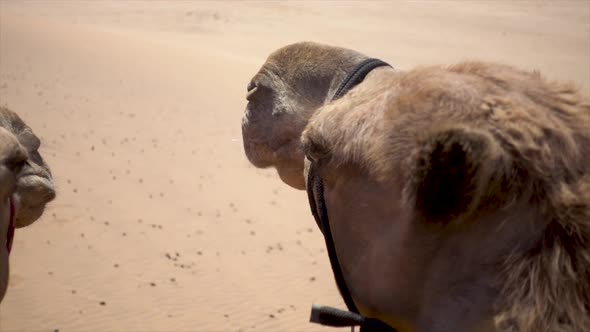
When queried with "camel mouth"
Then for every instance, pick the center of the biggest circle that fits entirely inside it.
(33, 193)
(261, 154)
(256, 149)
(39, 184)
(27, 175)
(257, 157)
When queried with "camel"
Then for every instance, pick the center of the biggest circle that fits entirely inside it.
(26, 183)
(458, 195)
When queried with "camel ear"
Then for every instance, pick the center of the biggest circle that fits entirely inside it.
(449, 170)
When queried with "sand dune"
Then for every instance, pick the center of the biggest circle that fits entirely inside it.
(160, 223)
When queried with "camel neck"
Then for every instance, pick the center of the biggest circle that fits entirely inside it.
(315, 191)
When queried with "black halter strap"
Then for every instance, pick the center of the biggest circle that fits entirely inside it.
(320, 212)
(315, 192)
(358, 75)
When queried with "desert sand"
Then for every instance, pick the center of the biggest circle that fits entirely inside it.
(160, 223)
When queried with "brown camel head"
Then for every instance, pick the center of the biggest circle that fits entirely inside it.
(35, 186)
(459, 198)
(293, 82)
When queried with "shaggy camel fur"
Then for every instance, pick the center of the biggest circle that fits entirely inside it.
(24, 178)
(459, 196)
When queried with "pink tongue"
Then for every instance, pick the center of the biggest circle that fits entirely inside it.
(11, 227)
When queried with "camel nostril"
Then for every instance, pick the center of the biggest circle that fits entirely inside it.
(251, 86)
(251, 90)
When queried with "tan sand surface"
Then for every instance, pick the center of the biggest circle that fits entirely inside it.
(160, 223)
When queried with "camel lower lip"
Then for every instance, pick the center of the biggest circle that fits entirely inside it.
(35, 182)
